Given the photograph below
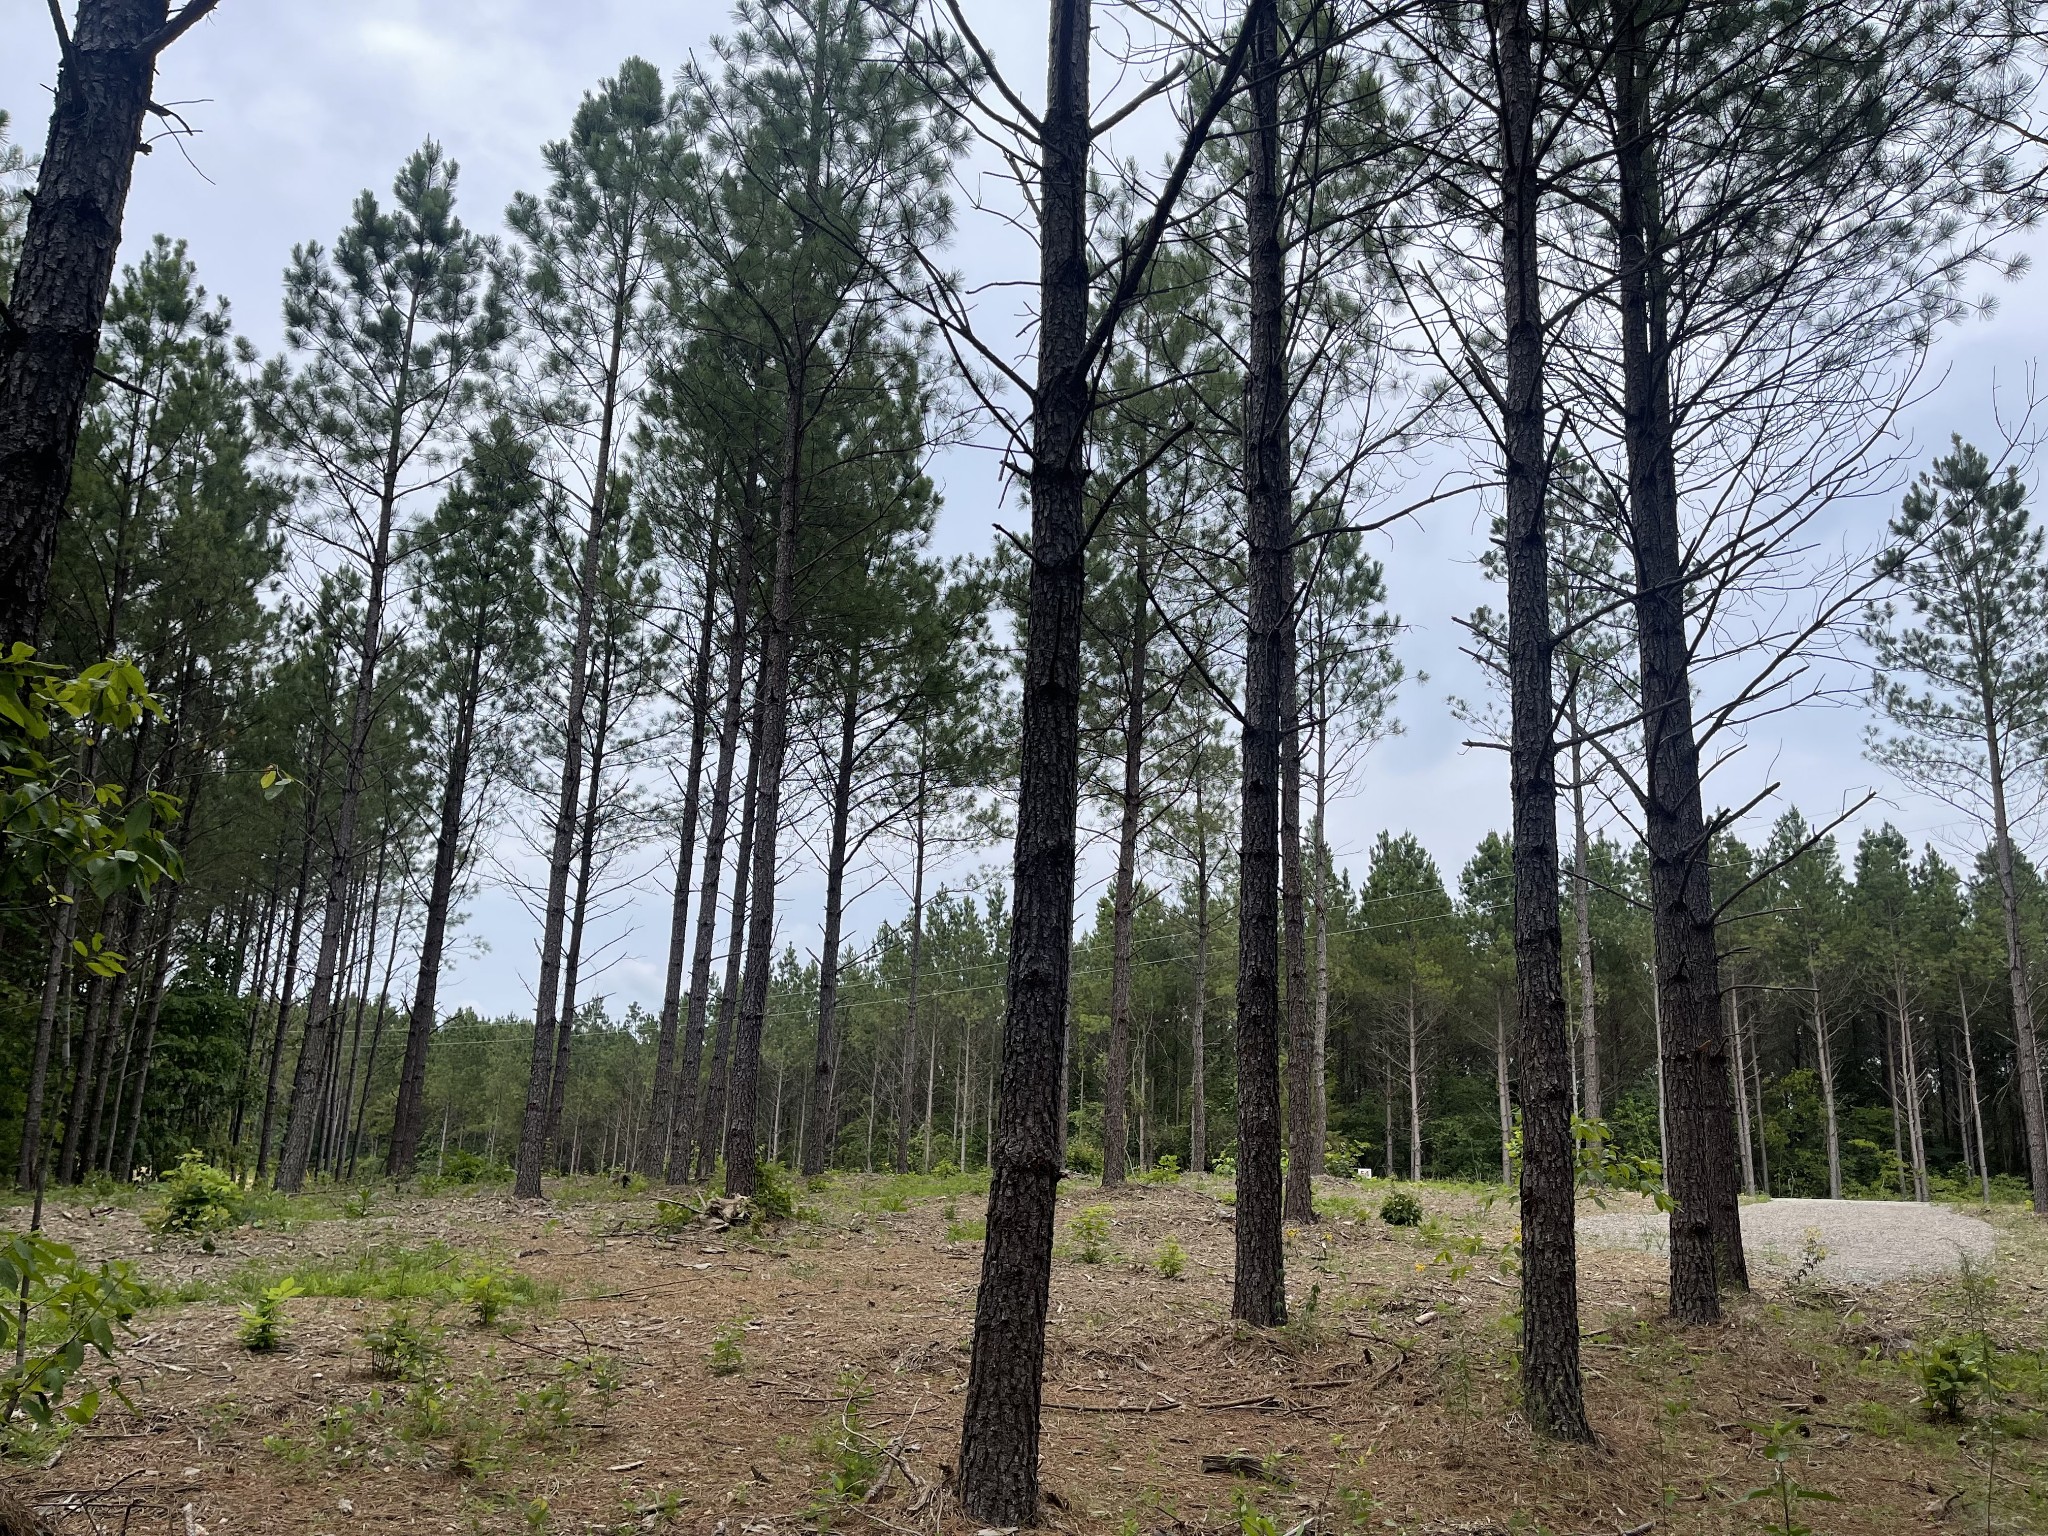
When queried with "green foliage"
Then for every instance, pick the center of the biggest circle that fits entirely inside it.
(1165, 1171)
(198, 1199)
(1171, 1261)
(57, 1311)
(1090, 1232)
(1949, 1372)
(1084, 1156)
(263, 1322)
(56, 825)
(852, 1458)
(774, 1192)
(1401, 1209)
(1251, 1520)
(486, 1294)
(403, 1349)
(726, 1356)
(1342, 1157)
(1784, 1491)
(468, 1168)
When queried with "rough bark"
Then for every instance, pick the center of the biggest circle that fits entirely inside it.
(1706, 1228)
(1825, 1058)
(1198, 1045)
(50, 340)
(1582, 914)
(1000, 1424)
(2033, 1114)
(1259, 1295)
(1303, 1156)
(1552, 1391)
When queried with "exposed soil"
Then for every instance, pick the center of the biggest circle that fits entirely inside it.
(1388, 1406)
(1845, 1242)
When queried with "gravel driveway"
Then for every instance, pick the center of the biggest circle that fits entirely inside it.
(1868, 1242)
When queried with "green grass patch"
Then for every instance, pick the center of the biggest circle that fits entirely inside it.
(432, 1273)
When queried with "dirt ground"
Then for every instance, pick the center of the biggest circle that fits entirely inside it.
(669, 1378)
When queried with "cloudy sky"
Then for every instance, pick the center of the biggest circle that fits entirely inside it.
(300, 103)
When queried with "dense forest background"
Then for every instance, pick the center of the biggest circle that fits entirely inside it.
(496, 484)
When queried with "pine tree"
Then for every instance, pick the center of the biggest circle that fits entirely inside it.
(1965, 682)
(390, 335)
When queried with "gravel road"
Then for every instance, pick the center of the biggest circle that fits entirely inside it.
(1868, 1242)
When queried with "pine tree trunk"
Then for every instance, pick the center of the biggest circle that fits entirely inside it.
(711, 1146)
(1552, 1395)
(28, 1160)
(684, 1135)
(58, 295)
(907, 1063)
(290, 980)
(652, 1162)
(1298, 1198)
(819, 1115)
(1582, 912)
(1198, 1045)
(1259, 1294)
(408, 1118)
(2033, 1114)
(1000, 1423)
(1500, 1084)
(1741, 1093)
(1824, 1056)
(533, 1130)
(1976, 1098)
(579, 914)
(1706, 1225)
(1414, 1087)
(1117, 1080)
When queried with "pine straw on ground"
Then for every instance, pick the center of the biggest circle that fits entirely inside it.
(701, 1382)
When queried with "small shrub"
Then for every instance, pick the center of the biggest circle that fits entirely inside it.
(605, 1379)
(198, 1199)
(70, 1309)
(1401, 1209)
(467, 1168)
(1084, 1156)
(1340, 1157)
(1949, 1371)
(1225, 1163)
(774, 1194)
(1165, 1171)
(1090, 1231)
(402, 1349)
(727, 1359)
(851, 1456)
(357, 1205)
(487, 1294)
(263, 1323)
(1171, 1261)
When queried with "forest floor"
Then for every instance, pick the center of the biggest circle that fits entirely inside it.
(647, 1374)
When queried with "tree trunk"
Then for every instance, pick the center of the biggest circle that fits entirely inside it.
(1414, 1087)
(1259, 1295)
(1976, 1099)
(1706, 1225)
(28, 1161)
(2032, 1112)
(1500, 1084)
(654, 1145)
(711, 1146)
(820, 1119)
(408, 1118)
(1824, 1056)
(1198, 1045)
(1736, 1064)
(579, 915)
(1552, 1394)
(907, 1063)
(1298, 1199)
(51, 340)
(1582, 913)
(1319, 1071)
(1000, 1422)
(533, 1130)
(1117, 1079)
(683, 1136)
